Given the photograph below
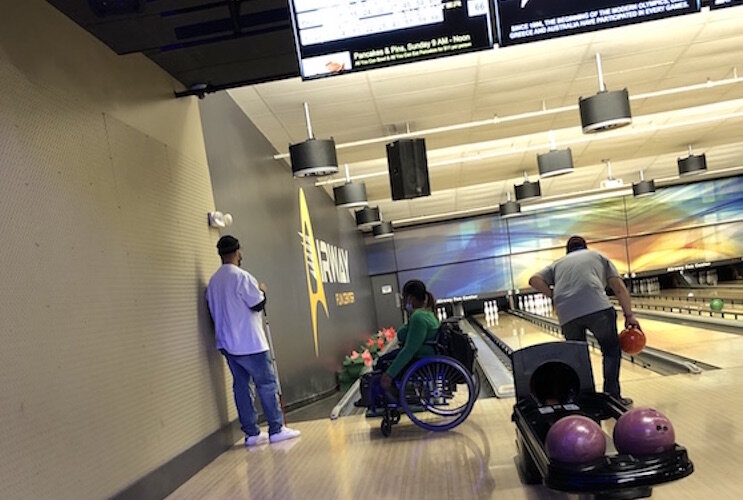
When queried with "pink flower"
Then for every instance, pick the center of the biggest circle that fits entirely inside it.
(381, 343)
(354, 355)
(389, 333)
(370, 342)
(367, 357)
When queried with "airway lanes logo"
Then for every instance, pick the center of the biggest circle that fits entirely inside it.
(323, 263)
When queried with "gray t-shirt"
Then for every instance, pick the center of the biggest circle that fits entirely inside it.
(580, 279)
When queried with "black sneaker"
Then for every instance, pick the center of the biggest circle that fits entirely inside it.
(360, 403)
(626, 401)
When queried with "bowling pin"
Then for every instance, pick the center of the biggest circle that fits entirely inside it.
(521, 303)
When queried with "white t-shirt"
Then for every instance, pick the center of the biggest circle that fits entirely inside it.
(231, 293)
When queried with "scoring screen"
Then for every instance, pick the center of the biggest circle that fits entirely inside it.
(337, 36)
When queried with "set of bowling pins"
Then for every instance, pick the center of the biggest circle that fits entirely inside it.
(491, 312)
(441, 313)
(536, 304)
(708, 278)
(649, 286)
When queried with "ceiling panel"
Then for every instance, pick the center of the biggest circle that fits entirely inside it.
(224, 44)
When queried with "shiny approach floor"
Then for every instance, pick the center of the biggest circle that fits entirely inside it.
(349, 459)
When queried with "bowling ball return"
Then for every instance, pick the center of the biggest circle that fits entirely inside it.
(554, 380)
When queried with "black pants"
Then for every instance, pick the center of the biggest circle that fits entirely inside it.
(603, 325)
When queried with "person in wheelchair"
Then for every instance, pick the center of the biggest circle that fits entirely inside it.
(416, 336)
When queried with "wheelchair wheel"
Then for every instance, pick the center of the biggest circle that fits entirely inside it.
(440, 386)
(386, 428)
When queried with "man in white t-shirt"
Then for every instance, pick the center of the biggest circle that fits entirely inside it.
(236, 301)
(580, 279)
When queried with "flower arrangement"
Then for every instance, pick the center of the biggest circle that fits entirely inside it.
(364, 356)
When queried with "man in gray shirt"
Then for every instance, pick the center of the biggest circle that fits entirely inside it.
(580, 279)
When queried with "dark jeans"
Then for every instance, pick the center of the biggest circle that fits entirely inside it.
(603, 325)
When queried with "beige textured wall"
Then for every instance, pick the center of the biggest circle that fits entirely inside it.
(107, 364)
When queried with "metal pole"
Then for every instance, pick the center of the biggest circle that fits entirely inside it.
(602, 87)
(273, 362)
(307, 119)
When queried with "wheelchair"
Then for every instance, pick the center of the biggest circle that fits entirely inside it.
(437, 392)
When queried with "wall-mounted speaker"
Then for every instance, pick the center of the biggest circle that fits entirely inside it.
(408, 168)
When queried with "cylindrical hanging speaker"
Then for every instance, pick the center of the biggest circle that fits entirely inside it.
(692, 164)
(528, 190)
(350, 195)
(367, 217)
(605, 111)
(383, 230)
(643, 188)
(556, 162)
(509, 209)
(313, 157)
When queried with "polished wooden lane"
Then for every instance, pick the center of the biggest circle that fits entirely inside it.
(518, 333)
(702, 344)
(348, 458)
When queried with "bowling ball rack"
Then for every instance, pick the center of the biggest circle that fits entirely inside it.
(612, 476)
(538, 372)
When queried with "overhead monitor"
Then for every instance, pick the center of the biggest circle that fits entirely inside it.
(521, 21)
(719, 4)
(339, 36)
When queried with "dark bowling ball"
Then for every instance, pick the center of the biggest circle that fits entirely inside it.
(575, 439)
(643, 431)
(632, 340)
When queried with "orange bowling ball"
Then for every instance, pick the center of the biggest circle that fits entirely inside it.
(632, 340)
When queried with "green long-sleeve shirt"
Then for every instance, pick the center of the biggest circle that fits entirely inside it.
(421, 327)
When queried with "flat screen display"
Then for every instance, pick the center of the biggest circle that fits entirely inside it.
(719, 4)
(339, 36)
(521, 21)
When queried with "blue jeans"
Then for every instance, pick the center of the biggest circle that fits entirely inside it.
(603, 325)
(259, 368)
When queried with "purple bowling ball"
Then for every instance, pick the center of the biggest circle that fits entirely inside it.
(575, 439)
(643, 431)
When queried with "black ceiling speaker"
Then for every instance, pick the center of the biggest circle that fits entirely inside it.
(408, 169)
(368, 217)
(528, 189)
(692, 164)
(104, 8)
(509, 208)
(556, 162)
(643, 188)
(383, 230)
(606, 110)
(350, 195)
(313, 156)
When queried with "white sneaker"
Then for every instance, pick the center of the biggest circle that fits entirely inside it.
(261, 438)
(285, 434)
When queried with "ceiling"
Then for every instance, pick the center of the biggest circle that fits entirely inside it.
(207, 45)
(473, 168)
(532, 89)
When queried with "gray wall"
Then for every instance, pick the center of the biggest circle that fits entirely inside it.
(107, 364)
(263, 198)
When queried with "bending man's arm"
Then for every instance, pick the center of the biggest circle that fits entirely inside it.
(540, 285)
(617, 286)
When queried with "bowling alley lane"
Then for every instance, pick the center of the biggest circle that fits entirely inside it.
(518, 333)
(720, 349)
